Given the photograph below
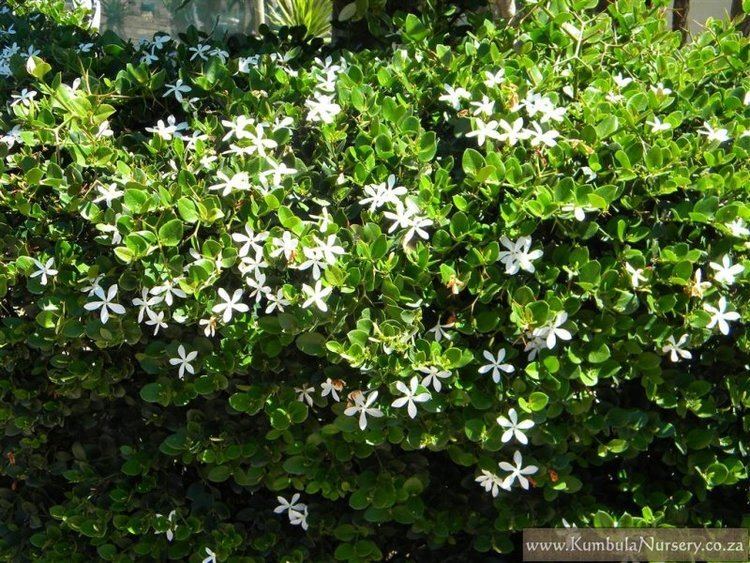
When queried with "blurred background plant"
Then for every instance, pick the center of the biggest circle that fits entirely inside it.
(115, 12)
(314, 15)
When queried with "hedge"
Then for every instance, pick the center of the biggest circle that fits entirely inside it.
(265, 300)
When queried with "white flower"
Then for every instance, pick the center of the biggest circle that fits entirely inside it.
(738, 228)
(304, 394)
(238, 127)
(285, 505)
(211, 557)
(299, 518)
(183, 360)
(172, 525)
(209, 325)
(331, 387)
(675, 350)
(657, 125)
(244, 64)
(433, 377)
(540, 137)
(726, 272)
(379, 195)
(322, 109)
(747, 98)
(177, 89)
(144, 302)
(483, 131)
(230, 304)
(551, 113)
(485, 106)
(552, 332)
(104, 130)
(720, 316)
(94, 284)
(718, 135)
(315, 295)
(249, 240)
(315, 260)
(105, 304)
(364, 407)
(492, 80)
(518, 256)
(169, 289)
(221, 54)
(108, 194)
(698, 287)
(491, 482)
(149, 58)
(26, 97)
(44, 270)
(589, 173)
(330, 249)
(257, 282)
(260, 142)
(495, 364)
(12, 137)
(513, 132)
(160, 41)
(660, 90)
(534, 345)
(407, 217)
(277, 172)
(156, 320)
(517, 472)
(200, 51)
(514, 428)
(276, 301)
(578, 211)
(287, 245)
(410, 396)
(622, 81)
(168, 130)
(453, 96)
(238, 182)
(636, 275)
(439, 333)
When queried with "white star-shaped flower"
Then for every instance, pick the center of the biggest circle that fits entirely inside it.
(363, 406)
(675, 348)
(726, 271)
(183, 360)
(316, 295)
(177, 90)
(105, 303)
(720, 315)
(517, 472)
(44, 271)
(230, 304)
(495, 364)
(411, 397)
(514, 428)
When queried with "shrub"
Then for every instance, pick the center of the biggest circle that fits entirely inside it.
(427, 295)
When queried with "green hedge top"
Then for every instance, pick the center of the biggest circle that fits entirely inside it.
(262, 304)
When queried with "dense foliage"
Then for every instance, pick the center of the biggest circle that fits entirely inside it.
(429, 295)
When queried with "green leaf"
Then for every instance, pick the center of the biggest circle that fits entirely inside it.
(36, 67)
(170, 233)
(607, 127)
(311, 343)
(414, 29)
(187, 210)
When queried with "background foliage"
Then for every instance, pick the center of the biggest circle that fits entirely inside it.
(106, 429)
